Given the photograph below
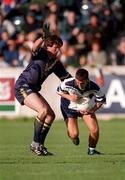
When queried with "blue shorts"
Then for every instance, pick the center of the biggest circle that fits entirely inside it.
(66, 112)
(22, 91)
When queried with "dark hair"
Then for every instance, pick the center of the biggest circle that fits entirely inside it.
(82, 74)
(54, 39)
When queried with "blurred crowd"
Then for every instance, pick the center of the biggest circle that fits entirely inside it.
(92, 31)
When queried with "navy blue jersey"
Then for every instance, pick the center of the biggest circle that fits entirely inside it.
(40, 67)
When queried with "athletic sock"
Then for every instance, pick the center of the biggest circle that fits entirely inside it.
(35, 144)
(44, 132)
(91, 148)
(37, 130)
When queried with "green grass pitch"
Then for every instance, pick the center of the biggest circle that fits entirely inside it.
(69, 162)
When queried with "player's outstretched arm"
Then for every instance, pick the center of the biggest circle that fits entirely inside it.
(37, 44)
(45, 34)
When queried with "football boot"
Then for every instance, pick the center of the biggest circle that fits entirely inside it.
(93, 152)
(44, 151)
(76, 141)
(35, 149)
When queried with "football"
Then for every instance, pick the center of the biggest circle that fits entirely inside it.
(85, 103)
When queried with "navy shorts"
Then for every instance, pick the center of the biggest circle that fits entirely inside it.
(66, 112)
(22, 90)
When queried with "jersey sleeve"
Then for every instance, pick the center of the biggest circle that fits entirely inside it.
(61, 72)
(97, 92)
(61, 89)
(100, 97)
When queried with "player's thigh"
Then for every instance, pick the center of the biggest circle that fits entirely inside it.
(91, 122)
(36, 102)
(72, 126)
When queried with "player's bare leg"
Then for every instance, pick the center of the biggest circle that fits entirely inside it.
(92, 124)
(73, 130)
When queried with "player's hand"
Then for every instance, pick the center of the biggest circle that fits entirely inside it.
(87, 112)
(84, 112)
(73, 97)
(46, 30)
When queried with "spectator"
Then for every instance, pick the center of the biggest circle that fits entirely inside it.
(37, 10)
(52, 20)
(3, 64)
(81, 46)
(24, 56)
(70, 4)
(69, 26)
(6, 25)
(94, 29)
(52, 7)
(86, 9)
(69, 56)
(7, 6)
(31, 23)
(97, 56)
(11, 55)
(118, 55)
(109, 24)
(30, 38)
(20, 38)
(82, 60)
(3, 41)
(64, 53)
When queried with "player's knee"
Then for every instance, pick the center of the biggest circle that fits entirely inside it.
(46, 113)
(95, 130)
(51, 116)
(42, 113)
(73, 135)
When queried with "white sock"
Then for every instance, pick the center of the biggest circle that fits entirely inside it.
(35, 144)
(91, 149)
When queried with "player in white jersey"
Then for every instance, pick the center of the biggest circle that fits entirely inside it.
(75, 94)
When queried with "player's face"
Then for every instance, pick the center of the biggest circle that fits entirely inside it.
(54, 49)
(81, 84)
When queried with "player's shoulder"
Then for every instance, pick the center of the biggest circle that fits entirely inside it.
(40, 54)
(69, 81)
(93, 85)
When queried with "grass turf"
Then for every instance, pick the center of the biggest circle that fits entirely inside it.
(69, 162)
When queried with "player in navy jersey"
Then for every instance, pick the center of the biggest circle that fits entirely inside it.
(72, 90)
(44, 62)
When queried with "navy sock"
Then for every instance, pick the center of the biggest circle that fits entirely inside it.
(44, 132)
(37, 130)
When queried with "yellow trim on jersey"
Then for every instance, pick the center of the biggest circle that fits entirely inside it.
(24, 94)
(48, 67)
